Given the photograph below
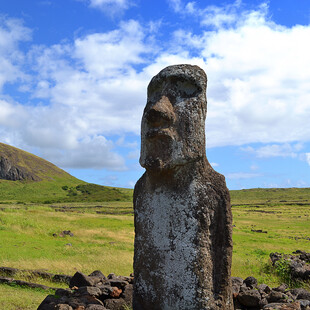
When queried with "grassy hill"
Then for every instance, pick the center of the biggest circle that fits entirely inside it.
(271, 196)
(55, 185)
(44, 182)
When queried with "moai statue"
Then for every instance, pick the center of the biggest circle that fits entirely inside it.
(183, 221)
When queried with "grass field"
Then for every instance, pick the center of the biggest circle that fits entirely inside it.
(104, 232)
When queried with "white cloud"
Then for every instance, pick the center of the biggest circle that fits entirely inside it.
(89, 90)
(95, 87)
(11, 114)
(218, 16)
(308, 158)
(112, 53)
(110, 7)
(176, 5)
(258, 85)
(91, 152)
(214, 164)
(275, 150)
(254, 167)
(12, 32)
(135, 154)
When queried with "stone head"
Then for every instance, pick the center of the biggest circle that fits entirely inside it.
(173, 122)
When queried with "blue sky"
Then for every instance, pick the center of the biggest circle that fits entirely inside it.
(73, 78)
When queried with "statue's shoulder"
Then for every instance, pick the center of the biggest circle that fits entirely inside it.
(138, 189)
(213, 181)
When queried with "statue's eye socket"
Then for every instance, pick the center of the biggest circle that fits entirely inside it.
(155, 89)
(174, 88)
(188, 89)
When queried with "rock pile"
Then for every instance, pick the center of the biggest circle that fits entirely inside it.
(97, 292)
(298, 263)
(92, 292)
(248, 295)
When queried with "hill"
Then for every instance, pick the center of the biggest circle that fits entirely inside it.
(271, 196)
(26, 178)
(16, 164)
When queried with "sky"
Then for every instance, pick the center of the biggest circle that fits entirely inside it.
(74, 73)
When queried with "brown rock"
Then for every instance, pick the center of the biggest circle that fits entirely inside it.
(118, 282)
(282, 306)
(282, 288)
(127, 294)
(115, 304)
(275, 296)
(236, 283)
(65, 307)
(264, 289)
(250, 298)
(79, 279)
(89, 290)
(10, 171)
(95, 307)
(91, 300)
(183, 221)
(48, 302)
(250, 282)
(116, 292)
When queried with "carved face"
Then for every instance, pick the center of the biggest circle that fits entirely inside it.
(173, 129)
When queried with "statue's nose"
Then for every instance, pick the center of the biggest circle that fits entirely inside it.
(161, 113)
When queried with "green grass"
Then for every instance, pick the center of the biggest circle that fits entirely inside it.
(17, 298)
(100, 241)
(104, 233)
(270, 196)
(286, 226)
(52, 184)
(59, 190)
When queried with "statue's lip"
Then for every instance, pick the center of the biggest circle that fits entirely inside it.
(156, 132)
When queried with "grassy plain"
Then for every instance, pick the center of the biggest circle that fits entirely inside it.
(104, 233)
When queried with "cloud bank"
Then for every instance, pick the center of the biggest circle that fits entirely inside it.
(75, 97)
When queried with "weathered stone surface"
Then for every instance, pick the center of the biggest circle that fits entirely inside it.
(8, 271)
(95, 307)
(89, 290)
(298, 263)
(276, 296)
(63, 307)
(79, 279)
(48, 303)
(127, 294)
(250, 282)
(236, 283)
(118, 283)
(282, 288)
(63, 292)
(10, 172)
(300, 293)
(98, 274)
(95, 297)
(183, 221)
(115, 304)
(263, 288)
(304, 303)
(250, 298)
(282, 306)
(116, 292)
